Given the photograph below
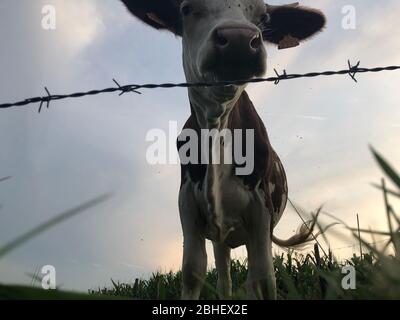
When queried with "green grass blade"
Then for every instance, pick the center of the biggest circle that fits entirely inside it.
(49, 224)
(29, 293)
(293, 294)
(4, 179)
(387, 168)
(390, 192)
(381, 233)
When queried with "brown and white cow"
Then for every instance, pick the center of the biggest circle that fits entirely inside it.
(223, 40)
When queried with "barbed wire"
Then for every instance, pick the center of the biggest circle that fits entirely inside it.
(352, 71)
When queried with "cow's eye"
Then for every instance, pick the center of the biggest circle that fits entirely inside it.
(186, 8)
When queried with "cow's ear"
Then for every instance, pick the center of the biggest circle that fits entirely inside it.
(288, 25)
(160, 14)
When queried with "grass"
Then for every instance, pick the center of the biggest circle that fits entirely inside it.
(299, 276)
(31, 293)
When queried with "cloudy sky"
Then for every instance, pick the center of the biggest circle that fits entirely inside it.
(79, 149)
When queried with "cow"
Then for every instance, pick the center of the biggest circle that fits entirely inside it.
(223, 40)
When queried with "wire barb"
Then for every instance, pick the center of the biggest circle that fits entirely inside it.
(350, 71)
(280, 77)
(353, 70)
(125, 89)
(45, 99)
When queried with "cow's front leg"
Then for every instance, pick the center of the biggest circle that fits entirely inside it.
(261, 282)
(222, 254)
(194, 264)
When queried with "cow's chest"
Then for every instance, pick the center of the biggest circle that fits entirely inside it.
(227, 205)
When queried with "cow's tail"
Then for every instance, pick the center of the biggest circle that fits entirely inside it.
(304, 235)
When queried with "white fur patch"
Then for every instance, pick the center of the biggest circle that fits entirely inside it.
(271, 188)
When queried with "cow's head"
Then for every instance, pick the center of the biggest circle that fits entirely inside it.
(223, 39)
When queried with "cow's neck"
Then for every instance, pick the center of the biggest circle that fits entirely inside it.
(212, 112)
(212, 106)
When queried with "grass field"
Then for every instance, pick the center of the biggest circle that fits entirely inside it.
(316, 275)
(298, 277)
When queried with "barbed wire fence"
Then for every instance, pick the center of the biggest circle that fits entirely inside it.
(352, 71)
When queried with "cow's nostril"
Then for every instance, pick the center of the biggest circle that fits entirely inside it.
(237, 40)
(256, 42)
(221, 40)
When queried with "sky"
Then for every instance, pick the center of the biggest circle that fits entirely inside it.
(82, 148)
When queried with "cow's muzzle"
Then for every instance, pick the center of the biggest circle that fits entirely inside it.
(235, 52)
(237, 42)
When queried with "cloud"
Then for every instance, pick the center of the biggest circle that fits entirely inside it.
(79, 23)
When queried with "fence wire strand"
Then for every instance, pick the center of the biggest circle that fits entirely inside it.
(351, 71)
